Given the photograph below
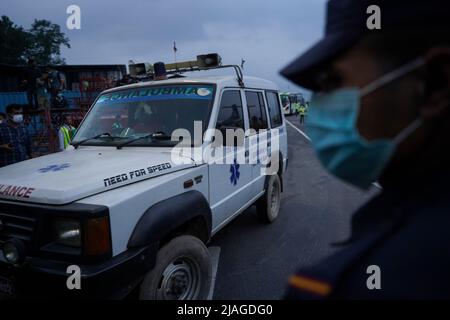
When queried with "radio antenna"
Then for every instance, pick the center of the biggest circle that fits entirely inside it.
(175, 49)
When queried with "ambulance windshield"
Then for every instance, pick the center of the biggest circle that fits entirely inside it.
(134, 113)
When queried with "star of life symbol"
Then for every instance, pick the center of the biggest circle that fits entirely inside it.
(54, 167)
(234, 170)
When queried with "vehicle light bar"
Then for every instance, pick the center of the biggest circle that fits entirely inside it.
(138, 69)
(204, 62)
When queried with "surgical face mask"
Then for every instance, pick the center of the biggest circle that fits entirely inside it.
(17, 118)
(332, 127)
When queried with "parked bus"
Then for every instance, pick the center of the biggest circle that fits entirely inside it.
(291, 102)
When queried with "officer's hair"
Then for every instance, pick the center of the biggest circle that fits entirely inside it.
(395, 47)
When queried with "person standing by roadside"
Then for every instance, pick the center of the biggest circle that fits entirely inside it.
(66, 132)
(15, 142)
(302, 112)
(55, 84)
(60, 102)
(43, 95)
(32, 75)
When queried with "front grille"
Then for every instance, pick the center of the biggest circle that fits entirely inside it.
(18, 226)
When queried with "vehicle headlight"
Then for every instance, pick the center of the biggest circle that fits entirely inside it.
(14, 251)
(67, 232)
(86, 237)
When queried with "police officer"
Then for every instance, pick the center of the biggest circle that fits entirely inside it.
(66, 132)
(381, 112)
(302, 111)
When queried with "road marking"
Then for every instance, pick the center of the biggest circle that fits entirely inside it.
(375, 184)
(215, 255)
(298, 130)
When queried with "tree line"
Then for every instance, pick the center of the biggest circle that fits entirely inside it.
(41, 42)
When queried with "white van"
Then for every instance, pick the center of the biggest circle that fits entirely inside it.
(118, 209)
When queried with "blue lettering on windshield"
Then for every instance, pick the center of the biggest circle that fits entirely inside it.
(160, 93)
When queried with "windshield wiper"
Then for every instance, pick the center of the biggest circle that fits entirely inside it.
(155, 136)
(106, 134)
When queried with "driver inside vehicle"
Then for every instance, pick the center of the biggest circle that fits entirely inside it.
(146, 119)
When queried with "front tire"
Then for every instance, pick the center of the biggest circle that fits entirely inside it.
(268, 206)
(183, 271)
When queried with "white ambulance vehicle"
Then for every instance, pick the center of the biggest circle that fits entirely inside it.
(118, 211)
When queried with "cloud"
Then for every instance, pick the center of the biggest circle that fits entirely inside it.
(267, 34)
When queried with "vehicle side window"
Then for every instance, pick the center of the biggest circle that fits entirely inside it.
(256, 110)
(274, 109)
(231, 113)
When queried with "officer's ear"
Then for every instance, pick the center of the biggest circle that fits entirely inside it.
(435, 87)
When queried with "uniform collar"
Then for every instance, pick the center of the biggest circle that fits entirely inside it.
(397, 202)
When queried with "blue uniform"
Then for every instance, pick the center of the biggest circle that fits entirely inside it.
(405, 232)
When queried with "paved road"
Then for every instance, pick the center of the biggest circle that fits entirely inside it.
(256, 259)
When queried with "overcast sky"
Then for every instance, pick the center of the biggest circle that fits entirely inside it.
(267, 34)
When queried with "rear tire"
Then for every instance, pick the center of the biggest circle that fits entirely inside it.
(182, 271)
(268, 206)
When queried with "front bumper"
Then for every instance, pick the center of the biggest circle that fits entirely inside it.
(43, 278)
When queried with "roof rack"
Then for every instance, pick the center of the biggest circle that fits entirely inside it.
(212, 61)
